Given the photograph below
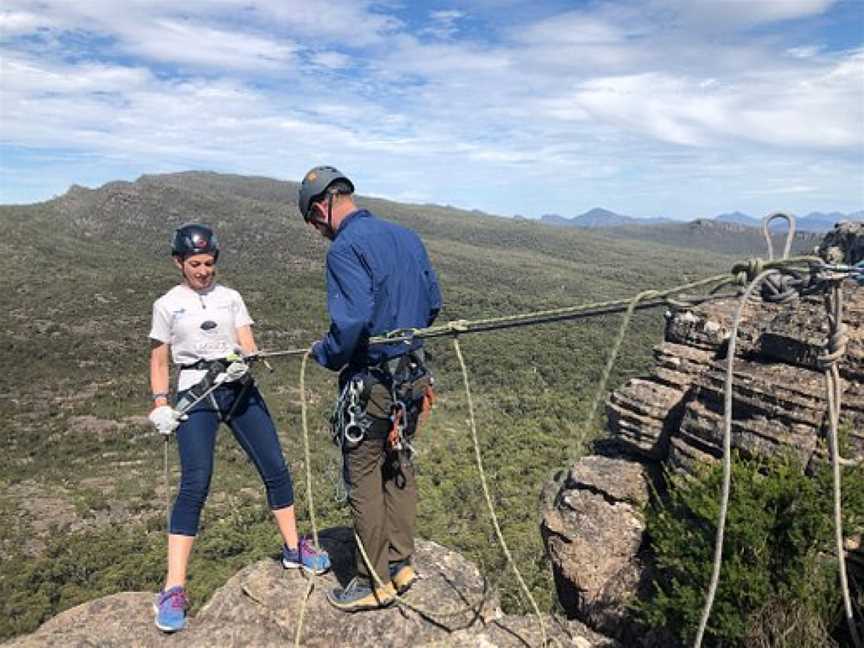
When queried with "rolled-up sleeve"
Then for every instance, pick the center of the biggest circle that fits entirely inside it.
(350, 303)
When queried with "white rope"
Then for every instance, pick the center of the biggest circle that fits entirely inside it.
(727, 456)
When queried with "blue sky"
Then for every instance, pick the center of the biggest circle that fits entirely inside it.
(677, 108)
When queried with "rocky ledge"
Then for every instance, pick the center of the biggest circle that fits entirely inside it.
(260, 606)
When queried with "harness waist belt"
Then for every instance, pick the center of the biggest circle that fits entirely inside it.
(203, 365)
(393, 366)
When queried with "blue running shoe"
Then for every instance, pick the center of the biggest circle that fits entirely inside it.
(307, 557)
(170, 608)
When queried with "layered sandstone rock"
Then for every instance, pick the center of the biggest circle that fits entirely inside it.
(778, 390)
(673, 418)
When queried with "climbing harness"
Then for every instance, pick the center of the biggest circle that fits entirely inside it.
(218, 372)
(398, 390)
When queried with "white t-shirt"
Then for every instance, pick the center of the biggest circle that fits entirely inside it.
(198, 326)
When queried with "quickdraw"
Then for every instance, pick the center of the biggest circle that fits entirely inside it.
(349, 423)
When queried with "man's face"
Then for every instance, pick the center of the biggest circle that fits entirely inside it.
(319, 220)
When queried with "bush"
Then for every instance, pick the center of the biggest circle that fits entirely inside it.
(778, 582)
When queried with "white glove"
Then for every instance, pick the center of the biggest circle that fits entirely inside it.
(166, 419)
(234, 371)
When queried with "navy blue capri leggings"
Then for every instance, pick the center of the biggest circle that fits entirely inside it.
(196, 440)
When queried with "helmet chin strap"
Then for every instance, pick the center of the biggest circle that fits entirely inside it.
(330, 216)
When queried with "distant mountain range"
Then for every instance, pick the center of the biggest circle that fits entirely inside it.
(599, 217)
(603, 218)
(812, 222)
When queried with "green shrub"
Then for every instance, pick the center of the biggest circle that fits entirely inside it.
(778, 581)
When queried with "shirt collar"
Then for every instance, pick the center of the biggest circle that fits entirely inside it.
(353, 216)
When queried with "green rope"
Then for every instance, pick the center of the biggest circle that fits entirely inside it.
(754, 270)
(740, 274)
(610, 363)
(488, 497)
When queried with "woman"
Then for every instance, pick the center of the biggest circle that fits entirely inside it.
(205, 325)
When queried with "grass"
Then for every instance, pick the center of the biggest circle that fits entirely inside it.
(78, 277)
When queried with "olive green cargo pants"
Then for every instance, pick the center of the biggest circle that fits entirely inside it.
(382, 491)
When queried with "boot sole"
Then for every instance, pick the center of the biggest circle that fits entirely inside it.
(361, 607)
(404, 587)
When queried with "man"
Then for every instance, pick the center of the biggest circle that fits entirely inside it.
(378, 279)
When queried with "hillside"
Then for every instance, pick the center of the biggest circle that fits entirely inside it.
(721, 237)
(82, 503)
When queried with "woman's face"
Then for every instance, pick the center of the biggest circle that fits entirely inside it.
(198, 270)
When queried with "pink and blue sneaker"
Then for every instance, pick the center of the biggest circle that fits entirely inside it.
(307, 557)
(170, 608)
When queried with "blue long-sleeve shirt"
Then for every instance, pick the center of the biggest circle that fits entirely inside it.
(378, 279)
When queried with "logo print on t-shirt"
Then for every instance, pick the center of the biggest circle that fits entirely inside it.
(208, 325)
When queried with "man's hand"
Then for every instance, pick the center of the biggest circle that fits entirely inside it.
(166, 419)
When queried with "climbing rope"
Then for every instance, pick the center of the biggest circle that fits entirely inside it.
(489, 504)
(828, 362)
(790, 233)
(727, 455)
(167, 479)
(610, 363)
(309, 503)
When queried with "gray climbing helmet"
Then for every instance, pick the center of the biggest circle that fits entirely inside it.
(314, 184)
(194, 239)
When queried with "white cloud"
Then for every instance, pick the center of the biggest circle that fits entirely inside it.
(13, 23)
(443, 24)
(187, 43)
(612, 100)
(721, 14)
(332, 60)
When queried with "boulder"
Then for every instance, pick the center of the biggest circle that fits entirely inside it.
(592, 528)
(843, 244)
(261, 604)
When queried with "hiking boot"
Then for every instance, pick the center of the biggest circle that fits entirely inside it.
(358, 595)
(402, 575)
(305, 556)
(170, 609)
